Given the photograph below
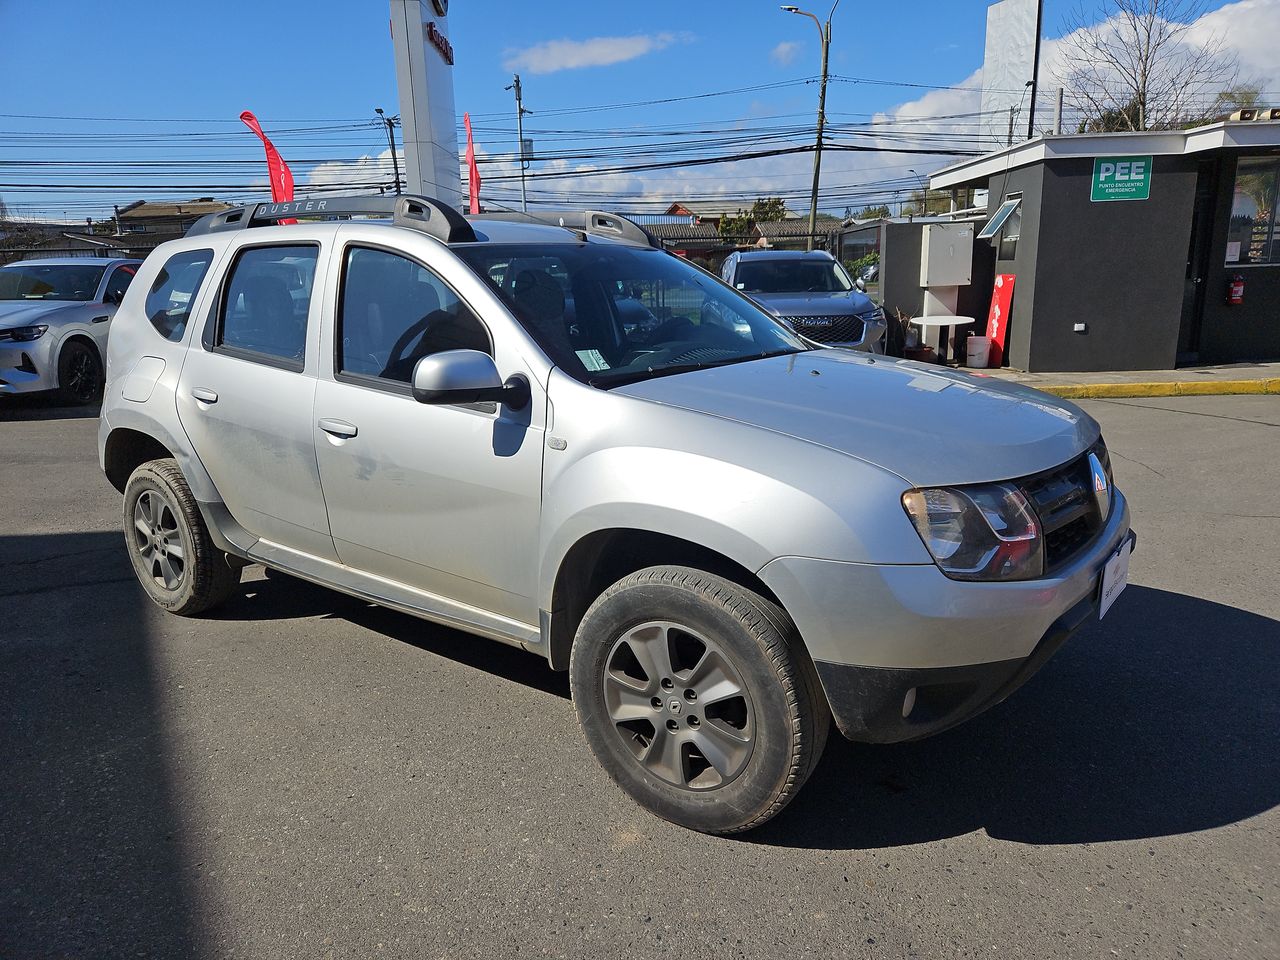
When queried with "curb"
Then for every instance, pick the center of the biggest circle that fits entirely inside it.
(1169, 388)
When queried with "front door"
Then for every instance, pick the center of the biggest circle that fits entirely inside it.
(1193, 292)
(246, 392)
(442, 498)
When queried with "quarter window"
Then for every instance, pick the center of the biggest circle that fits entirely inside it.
(264, 311)
(173, 292)
(394, 312)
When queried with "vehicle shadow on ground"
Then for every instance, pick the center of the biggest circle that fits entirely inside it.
(43, 406)
(1163, 720)
(278, 596)
(92, 831)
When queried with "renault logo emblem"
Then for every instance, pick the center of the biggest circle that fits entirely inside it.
(1101, 489)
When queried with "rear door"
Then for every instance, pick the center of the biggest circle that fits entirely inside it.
(246, 392)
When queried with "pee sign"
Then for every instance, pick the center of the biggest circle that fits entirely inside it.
(1121, 178)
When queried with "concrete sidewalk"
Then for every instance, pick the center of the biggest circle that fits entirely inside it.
(1231, 378)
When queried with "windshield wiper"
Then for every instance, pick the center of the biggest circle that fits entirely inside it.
(652, 373)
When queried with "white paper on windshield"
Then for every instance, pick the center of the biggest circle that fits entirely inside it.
(592, 359)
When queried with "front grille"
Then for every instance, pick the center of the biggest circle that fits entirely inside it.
(828, 329)
(1063, 499)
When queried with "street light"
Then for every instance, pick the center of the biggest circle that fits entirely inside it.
(391, 141)
(924, 193)
(824, 32)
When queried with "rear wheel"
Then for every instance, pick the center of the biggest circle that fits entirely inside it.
(698, 698)
(79, 374)
(172, 554)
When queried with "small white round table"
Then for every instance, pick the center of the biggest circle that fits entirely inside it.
(941, 320)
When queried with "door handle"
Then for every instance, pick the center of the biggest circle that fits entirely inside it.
(102, 319)
(339, 428)
(204, 394)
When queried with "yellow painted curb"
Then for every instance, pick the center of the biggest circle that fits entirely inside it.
(1169, 388)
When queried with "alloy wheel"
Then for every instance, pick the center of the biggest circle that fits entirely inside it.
(679, 704)
(157, 540)
(82, 376)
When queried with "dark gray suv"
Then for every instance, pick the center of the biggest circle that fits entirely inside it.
(810, 292)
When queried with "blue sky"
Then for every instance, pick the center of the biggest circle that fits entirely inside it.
(331, 59)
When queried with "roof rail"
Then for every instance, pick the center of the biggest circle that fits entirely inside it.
(425, 214)
(598, 222)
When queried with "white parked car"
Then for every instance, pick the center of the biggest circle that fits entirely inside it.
(54, 319)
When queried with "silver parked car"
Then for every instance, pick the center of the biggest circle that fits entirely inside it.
(54, 318)
(711, 524)
(812, 293)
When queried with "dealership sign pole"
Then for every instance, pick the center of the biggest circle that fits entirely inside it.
(424, 74)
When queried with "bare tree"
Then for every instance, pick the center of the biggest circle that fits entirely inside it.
(1137, 65)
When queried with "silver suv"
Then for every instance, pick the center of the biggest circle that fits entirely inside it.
(726, 536)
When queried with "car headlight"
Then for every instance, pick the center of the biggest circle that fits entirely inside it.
(24, 334)
(987, 532)
(874, 315)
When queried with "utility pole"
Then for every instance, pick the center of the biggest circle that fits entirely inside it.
(1035, 73)
(1057, 115)
(520, 112)
(824, 33)
(1010, 127)
(390, 123)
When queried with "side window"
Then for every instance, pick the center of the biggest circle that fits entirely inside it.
(174, 291)
(264, 309)
(1008, 248)
(121, 277)
(394, 312)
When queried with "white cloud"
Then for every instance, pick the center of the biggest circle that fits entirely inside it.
(554, 55)
(1248, 28)
(786, 52)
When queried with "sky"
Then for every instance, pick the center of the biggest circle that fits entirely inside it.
(167, 80)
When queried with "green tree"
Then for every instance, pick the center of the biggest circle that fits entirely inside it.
(762, 211)
(880, 212)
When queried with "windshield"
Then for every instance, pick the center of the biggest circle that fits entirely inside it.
(792, 276)
(610, 314)
(56, 281)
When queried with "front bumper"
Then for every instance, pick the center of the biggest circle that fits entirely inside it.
(882, 705)
(877, 631)
(27, 367)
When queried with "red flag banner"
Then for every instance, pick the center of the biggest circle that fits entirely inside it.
(473, 172)
(277, 169)
(998, 317)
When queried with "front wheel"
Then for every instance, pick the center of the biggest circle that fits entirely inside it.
(697, 697)
(79, 374)
(173, 556)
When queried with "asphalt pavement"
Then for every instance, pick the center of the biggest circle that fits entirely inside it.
(304, 775)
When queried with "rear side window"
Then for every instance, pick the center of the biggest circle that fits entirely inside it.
(174, 290)
(264, 311)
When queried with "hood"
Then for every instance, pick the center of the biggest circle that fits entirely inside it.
(24, 313)
(929, 425)
(841, 304)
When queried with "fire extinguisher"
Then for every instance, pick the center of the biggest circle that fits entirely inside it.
(1235, 289)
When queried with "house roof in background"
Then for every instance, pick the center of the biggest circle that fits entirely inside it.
(145, 209)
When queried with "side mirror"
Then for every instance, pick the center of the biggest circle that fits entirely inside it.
(466, 376)
(861, 285)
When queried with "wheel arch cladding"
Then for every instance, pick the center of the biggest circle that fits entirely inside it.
(128, 449)
(601, 558)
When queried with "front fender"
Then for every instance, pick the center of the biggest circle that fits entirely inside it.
(748, 515)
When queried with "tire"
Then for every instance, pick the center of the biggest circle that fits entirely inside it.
(80, 377)
(695, 752)
(169, 546)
